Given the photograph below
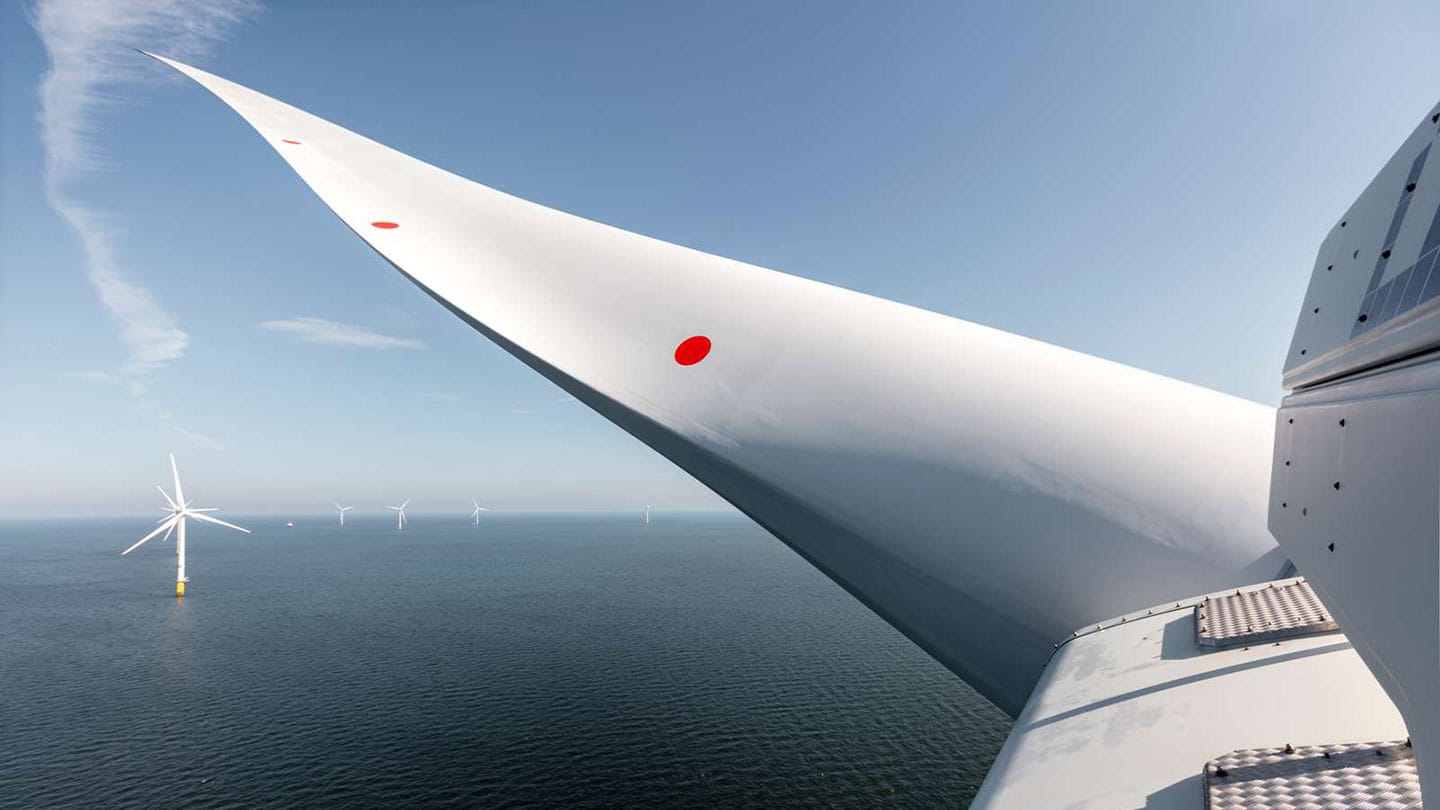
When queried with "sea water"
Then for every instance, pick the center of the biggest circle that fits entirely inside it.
(535, 660)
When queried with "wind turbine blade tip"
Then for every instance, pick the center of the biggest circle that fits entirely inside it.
(220, 522)
(164, 527)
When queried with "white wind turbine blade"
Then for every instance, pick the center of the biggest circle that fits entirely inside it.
(206, 509)
(179, 493)
(167, 497)
(219, 522)
(405, 504)
(983, 492)
(169, 524)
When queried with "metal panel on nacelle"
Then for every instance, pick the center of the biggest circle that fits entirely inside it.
(1356, 505)
(1355, 481)
(1363, 306)
(1126, 717)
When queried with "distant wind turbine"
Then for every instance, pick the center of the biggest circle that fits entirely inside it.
(647, 514)
(478, 510)
(343, 510)
(177, 510)
(400, 515)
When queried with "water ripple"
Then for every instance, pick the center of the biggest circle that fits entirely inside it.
(540, 661)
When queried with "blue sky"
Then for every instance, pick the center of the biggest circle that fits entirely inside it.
(1144, 182)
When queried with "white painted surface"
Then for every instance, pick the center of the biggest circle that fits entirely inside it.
(981, 491)
(1127, 717)
(1382, 580)
(1340, 283)
(1382, 577)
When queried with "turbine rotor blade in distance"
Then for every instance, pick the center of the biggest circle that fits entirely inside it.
(167, 497)
(219, 522)
(169, 524)
(175, 470)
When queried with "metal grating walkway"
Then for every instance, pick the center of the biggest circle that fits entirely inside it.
(1269, 614)
(1354, 776)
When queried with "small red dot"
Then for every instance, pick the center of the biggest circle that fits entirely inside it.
(386, 225)
(692, 350)
(287, 140)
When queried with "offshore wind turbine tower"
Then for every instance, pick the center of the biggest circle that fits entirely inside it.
(177, 510)
(399, 515)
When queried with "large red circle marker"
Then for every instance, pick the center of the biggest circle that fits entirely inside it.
(386, 225)
(692, 350)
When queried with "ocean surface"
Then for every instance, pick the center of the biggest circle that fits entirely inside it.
(585, 661)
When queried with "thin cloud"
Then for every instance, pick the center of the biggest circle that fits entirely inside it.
(331, 333)
(143, 405)
(90, 43)
(151, 336)
(91, 47)
(88, 376)
(198, 439)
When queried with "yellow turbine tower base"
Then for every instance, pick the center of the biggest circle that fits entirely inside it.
(179, 588)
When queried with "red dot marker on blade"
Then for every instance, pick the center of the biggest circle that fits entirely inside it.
(692, 350)
(287, 140)
(386, 225)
